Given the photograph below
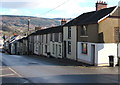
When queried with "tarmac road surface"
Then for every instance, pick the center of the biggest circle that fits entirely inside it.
(46, 70)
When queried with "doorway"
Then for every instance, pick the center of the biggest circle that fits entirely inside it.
(64, 49)
(56, 51)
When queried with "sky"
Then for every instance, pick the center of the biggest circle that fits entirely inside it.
(50, 8)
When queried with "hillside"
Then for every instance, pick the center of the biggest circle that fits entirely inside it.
(19, 24)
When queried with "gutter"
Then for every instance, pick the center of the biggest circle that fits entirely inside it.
(107, 15)
(103, 18)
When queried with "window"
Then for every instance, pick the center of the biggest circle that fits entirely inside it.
(117, 34)
(84, 30)
(56, 37)
(39, 38)
(60, 37)
(84, 48)
(69, 32)
(59, 50)
(46, 38)
(51, 37)
(69, 47)
(42, 38)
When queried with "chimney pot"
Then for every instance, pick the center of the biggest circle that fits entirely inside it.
(101, 5)
(63, 21)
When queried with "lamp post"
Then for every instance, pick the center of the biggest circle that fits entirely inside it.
(27, 36)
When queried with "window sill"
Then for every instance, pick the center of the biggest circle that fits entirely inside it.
(69, 53)
(69, 37)
(83, 36)
(84, 54)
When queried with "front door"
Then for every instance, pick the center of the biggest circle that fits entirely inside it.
(93, 54)
(56, 51)
(64, 49)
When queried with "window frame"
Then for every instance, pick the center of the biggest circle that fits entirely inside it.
(60, 47)
(84, 50)
(69, 47)
(53, 50)
(69, 32)
(51, 37)
(117, 34)
(84, 30)
(46, 38)
(60, 37)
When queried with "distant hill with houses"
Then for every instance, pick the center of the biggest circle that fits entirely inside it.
(19, 24)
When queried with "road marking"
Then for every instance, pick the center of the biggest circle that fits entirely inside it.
(15, 72)
(6, 75)
(4, 69)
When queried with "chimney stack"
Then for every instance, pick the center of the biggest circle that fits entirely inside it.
(38, 28)
(63, 21)
(100, 5)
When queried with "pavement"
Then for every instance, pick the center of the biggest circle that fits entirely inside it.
(39, 69)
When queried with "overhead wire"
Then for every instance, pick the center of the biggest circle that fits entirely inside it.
(55, 7)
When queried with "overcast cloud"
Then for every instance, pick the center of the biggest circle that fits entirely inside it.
(41, 8)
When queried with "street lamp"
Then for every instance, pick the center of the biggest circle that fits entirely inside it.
(27, 36)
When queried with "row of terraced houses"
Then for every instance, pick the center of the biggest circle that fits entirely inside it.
(89, 38)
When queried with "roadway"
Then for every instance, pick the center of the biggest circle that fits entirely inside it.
(37, 69)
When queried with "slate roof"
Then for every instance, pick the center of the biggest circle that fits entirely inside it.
(90, 17)
(56, 29)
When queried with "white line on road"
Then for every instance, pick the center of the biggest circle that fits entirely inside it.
(14, 72)
(6, 75)
(4, 69)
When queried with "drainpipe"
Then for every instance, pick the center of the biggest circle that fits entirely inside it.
(118, 49)
(118, 54)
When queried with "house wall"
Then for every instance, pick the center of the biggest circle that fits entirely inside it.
(12, 48)
(73, 40)
(35, 45)
(86, 58)
(55, 49)
(102, 51)
(106, 30)
(119, 49)
(105, 50)
(46, 43)
(1, 43)
(25, 46)
(22, 48)
(92, 34)
(31, 44)
(18, 47)
(41, 41)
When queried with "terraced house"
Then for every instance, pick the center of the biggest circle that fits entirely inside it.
(93, 36)
(48, 41)
(90, 38)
